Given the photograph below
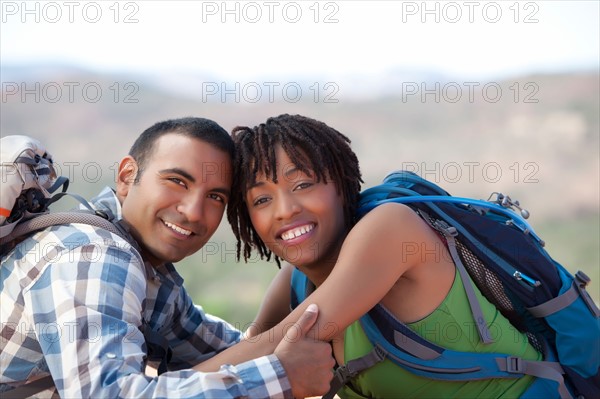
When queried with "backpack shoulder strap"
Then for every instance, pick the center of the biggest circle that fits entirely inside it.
(40, 222)
(31, 223)
(97, 219)
(301, 288)
(449, 233)
(407, 349)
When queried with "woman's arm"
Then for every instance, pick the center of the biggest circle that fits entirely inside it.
(381, 248)
(275, 305)
(384, 246)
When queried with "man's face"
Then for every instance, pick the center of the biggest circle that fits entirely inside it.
(180, 198)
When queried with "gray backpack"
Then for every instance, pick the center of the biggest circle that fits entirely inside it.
(28, 182)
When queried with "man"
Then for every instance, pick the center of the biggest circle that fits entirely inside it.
(75, 298)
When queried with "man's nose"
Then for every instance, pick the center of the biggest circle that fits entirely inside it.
(192, 207)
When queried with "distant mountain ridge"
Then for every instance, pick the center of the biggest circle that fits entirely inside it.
(532, 135)
(179, 82)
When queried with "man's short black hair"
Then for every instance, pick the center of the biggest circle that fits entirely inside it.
(199, 128)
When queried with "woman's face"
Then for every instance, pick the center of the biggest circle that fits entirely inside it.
(299, 219)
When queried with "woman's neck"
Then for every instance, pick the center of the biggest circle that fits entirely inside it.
(317, 274)
(318, 271)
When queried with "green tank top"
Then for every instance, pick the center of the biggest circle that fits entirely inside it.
(451, 326)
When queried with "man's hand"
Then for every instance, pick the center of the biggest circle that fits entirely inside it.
(308, 362)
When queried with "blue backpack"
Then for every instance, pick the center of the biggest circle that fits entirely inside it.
(493, 246)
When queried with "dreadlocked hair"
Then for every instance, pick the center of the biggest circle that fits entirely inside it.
(314, 148)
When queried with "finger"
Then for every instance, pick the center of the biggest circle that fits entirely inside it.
(304, 323)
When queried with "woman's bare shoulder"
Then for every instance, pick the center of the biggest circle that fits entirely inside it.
(390, 217)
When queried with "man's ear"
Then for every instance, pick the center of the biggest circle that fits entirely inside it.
(128, 170)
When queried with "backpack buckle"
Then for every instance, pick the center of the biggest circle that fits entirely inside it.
(379, 353)
(343, 375)
(101, 213)
(514, 365)
(582, 279)
(445, 228)
(506, 202)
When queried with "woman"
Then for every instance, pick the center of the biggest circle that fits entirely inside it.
(296, 185)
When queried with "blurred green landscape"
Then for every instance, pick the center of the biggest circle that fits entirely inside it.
(535, 138)
(233, 290)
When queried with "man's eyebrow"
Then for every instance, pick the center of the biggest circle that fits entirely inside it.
(178, 171)
(223, 190)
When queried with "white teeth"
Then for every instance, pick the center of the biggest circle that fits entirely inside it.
(297, 232)
(178, 229)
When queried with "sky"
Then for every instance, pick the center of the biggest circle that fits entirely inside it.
(274, 39)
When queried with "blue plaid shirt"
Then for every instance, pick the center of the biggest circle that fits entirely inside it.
(71, 301)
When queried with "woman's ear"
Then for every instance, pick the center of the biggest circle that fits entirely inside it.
(128, 170)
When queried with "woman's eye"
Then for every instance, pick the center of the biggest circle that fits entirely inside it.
(303, 186)
(260, 201)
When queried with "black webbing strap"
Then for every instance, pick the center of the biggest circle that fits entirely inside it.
(158, 348)
(344, 373)
(29, 389)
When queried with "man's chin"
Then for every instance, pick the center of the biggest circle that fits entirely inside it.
(157, 259)
(158, 256)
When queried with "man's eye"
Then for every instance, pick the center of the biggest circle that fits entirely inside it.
(177, 181)
(218, 197)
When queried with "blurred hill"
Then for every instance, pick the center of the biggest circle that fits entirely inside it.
(535, 138)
